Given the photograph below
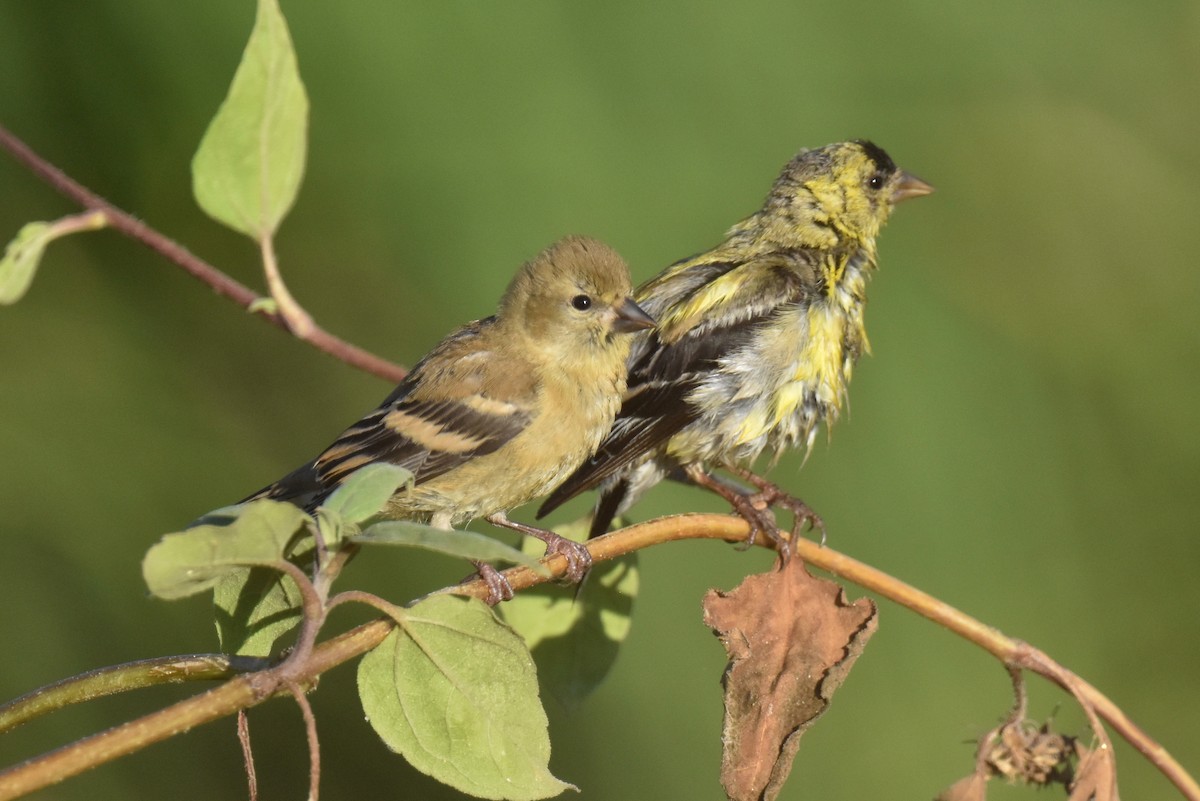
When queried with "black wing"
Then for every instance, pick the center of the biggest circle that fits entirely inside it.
(427, 436)
(670, 363)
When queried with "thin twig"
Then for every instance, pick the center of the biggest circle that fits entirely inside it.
(243, 734)
(314, 745)
(221, 283)
(312, 618)
(370, 599)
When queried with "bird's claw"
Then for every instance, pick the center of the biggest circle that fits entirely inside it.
(761, 520)
(803, 516)
(498, 587)
(770, 495)
(579, 559)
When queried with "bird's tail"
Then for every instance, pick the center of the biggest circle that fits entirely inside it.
(301, 487)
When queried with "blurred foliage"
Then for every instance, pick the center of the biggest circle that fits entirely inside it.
(1025, 440)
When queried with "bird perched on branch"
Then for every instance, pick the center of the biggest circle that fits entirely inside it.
(756, 339)
(504, 408)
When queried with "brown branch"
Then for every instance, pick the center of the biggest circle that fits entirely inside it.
(121, 678)
(241, 693)
(238, 693)
(220, 283)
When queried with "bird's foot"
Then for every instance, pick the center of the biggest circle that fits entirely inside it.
(772, 495)
(579, 559)
(751, 508)
(761, 520)
(498, 587)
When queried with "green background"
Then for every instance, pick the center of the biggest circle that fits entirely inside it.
(1024, 444)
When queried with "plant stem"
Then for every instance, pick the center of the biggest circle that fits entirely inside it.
(171, 250)
(121, 678)
(314, 745)
(299, 322)
(243, 735)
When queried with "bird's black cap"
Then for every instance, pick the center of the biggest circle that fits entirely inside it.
(878, 155)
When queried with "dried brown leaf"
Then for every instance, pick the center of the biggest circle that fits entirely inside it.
(968, 788)
(791, 640)
(1096, 776)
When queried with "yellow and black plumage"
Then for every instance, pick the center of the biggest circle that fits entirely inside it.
(756, 338)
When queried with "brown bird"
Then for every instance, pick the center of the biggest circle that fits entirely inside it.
(504, 408)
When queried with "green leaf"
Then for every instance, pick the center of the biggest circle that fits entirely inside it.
(24, 252)
(333, 528)
(575, 637)
(21, 259)
(255, 607)
(192, 561)
(247, 171)
(454, 691)
(464, 544)
(363, 495)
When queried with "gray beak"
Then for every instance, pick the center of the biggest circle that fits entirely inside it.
(630, 318)
(910, 186)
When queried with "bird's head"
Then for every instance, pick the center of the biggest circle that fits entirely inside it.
(574, 295)
(838, 192)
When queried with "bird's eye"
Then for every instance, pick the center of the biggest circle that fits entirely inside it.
(876, 181)
(581, 302)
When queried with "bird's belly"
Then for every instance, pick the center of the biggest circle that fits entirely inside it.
(500, 481)
(775, 392)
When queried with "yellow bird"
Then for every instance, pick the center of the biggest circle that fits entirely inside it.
(756, 338)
